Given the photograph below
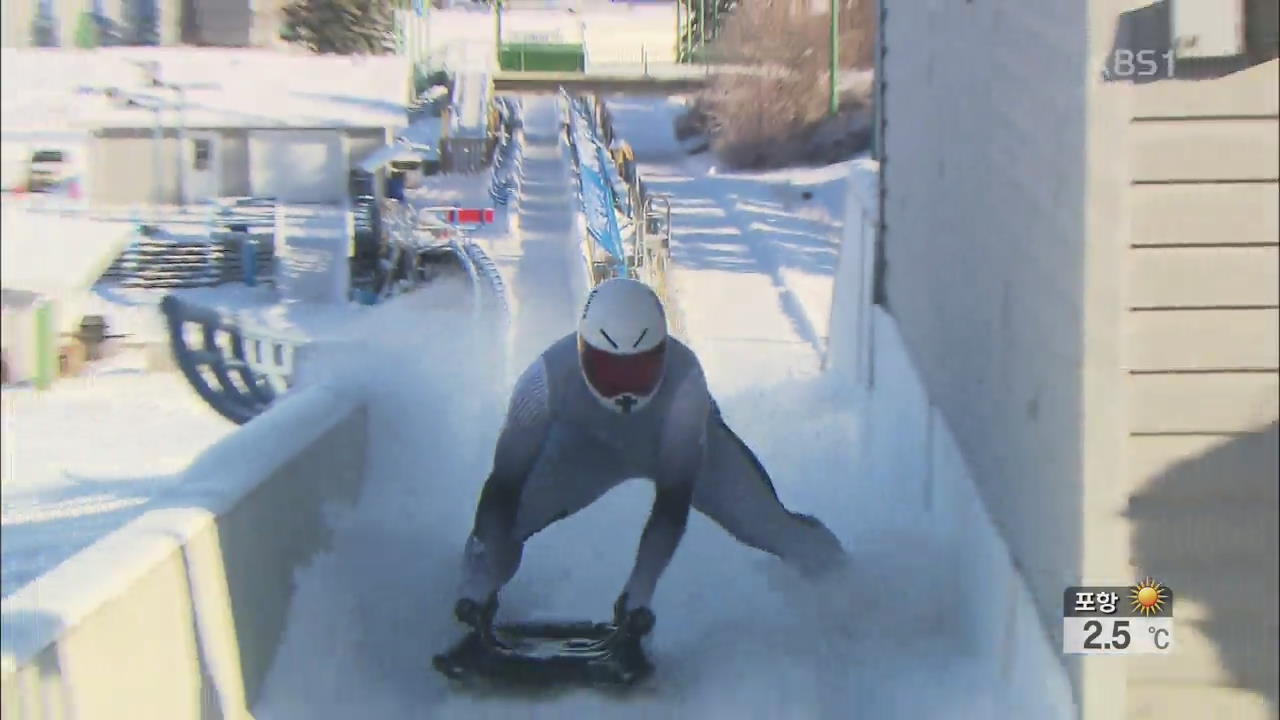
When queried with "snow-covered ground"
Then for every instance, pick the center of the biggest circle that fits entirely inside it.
(738, 635)
(225, 87)
(63, 257)
(88, 455)
(83, 458)
(764, 245)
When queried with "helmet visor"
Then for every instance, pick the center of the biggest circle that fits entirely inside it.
(612, 375)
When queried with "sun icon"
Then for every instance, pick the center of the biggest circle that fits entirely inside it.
(1148, 597)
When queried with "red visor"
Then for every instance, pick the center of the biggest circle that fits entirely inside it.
(613, 375)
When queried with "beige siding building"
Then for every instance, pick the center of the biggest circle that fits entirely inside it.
(129, 166)
(1081, 256)
(231, 123)
(218, 23)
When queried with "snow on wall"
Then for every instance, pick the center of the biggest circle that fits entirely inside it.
(60, 256)
(196, 590)
(849, 330)
(913, 461)
(311, 255)
(472, 95)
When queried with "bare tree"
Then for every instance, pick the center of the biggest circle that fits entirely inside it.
(142, 23)
(44, 28)
(346, 27)
(761, 117)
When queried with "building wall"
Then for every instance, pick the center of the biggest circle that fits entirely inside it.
(225, 23)
(20, 14)
(122, 162)
(213, 22)
(1200, 350)
(235, 163)
(984, 247)
(362, 143)
(1084, 268)
(123, 167)
(299, 166)
(1003, 252)
(266, 23)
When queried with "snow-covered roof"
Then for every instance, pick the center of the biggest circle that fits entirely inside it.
(425, 131)
(226, 87)
(397, 151)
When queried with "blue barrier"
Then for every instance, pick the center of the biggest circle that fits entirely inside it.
(601, 221)
(595, 191)
(230, 386)
(249, 260)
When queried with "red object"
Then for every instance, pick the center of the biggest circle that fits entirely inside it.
(471, 216)
(613, 374)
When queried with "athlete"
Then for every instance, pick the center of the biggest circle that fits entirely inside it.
(620, 399)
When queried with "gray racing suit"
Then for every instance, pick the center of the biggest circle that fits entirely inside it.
(560, 449)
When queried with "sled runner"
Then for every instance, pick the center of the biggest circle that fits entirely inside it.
(548, 654)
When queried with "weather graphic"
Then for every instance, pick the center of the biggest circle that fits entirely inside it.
(1118, 619)
(1149, 597)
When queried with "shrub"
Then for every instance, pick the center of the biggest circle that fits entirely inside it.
(764, 114)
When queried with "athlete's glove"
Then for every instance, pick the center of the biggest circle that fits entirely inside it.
(636, 621)
(478, 616)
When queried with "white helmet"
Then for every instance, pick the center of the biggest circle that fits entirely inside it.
(622, 343)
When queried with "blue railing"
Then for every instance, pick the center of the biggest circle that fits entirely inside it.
(595, 190)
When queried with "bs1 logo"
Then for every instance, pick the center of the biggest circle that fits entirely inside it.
(1125, 64)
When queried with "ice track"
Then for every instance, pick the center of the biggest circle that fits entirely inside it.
(738, 636)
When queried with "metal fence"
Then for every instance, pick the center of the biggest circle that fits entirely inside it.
(508, 157)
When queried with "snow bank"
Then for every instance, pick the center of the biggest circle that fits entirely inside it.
(913, 458)
(849, 337)
(472, 96)
(229, 87)
(80, 462)
(194, 591)
(58, 256)
(914, 451)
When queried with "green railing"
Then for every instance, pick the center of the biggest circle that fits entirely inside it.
(543, 57)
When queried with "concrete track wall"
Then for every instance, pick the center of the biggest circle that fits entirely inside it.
(914, 452)
(179, 613)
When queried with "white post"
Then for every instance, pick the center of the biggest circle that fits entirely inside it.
(182, 148)
(157, 159)
(411, 36)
